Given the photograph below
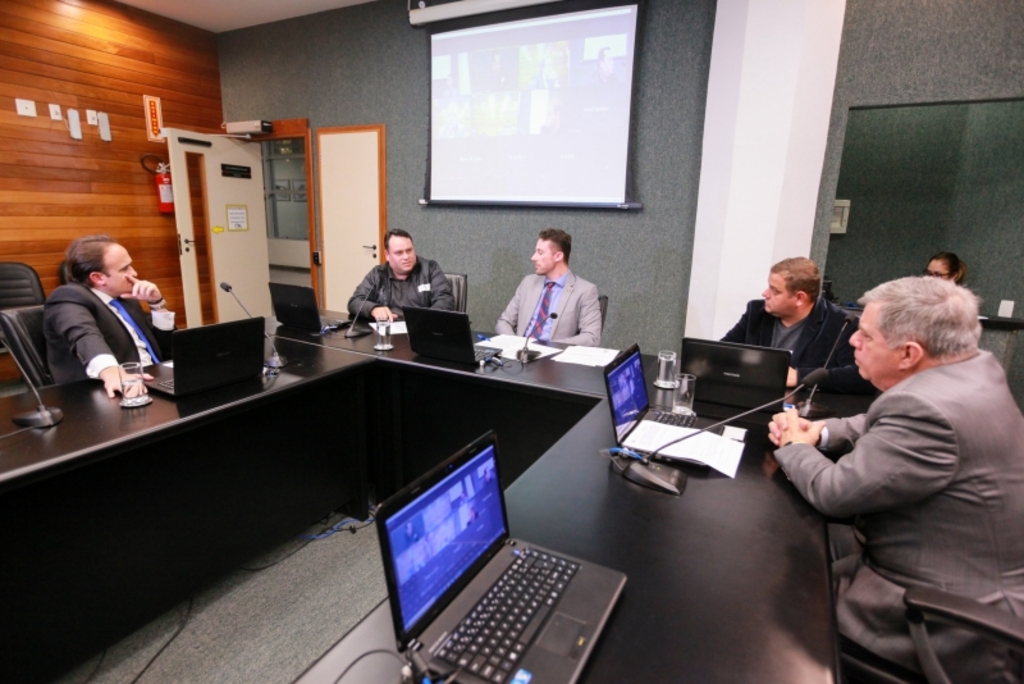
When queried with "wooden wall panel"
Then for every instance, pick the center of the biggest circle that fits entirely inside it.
(93, 54)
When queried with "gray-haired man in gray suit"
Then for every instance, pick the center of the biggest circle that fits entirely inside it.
(933, 473)
(554, 304)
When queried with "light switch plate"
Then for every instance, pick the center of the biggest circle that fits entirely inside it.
(104, 123)
(90, 117)
(74, 124)
(25, 107)
(55, 112)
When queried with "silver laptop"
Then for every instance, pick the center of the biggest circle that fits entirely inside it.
(469, 597)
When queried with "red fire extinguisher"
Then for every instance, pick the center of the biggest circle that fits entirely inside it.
(163, 188)
(164, 191)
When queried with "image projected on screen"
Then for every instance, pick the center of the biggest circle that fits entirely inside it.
(534, 111)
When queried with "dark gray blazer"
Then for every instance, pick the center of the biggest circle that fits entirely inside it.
(579, 314)
(934, 473)
(79, 326)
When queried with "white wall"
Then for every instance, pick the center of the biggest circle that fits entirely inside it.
(773, 67)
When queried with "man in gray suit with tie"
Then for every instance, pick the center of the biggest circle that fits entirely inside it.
(554, 305)
(933, 474)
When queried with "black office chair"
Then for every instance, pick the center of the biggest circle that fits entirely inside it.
(459, 283)
(602, 301)
(19, 285)
(23, 329)
(863, 667)
(64, 272)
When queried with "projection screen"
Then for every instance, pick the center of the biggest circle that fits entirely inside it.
(535, 111)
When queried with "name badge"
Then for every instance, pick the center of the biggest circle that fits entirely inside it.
(425, 287)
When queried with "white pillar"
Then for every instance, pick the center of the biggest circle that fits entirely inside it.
(773, 70)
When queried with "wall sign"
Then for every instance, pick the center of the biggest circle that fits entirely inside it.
(154, 118)
(235, 171)
(238, 217)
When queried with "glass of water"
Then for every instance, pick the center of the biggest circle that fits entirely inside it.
(682, 398)
(383, 335)
(666, 370)
(133, 389)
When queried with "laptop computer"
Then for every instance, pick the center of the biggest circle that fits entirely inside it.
(210, 356)
(444, 335)
(631, 408)
(467, 596)
(295, 306)
(738, 375)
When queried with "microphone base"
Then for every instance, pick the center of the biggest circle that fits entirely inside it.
(651, 475)
(46, 417)
(357, 331)
(274, 364)
(814, 411)
(526, 355)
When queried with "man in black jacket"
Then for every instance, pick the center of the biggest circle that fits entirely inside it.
(404, 280)
(96, 322)
(792, 316)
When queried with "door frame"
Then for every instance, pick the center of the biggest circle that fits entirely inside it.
(299, 128)
(382, 175)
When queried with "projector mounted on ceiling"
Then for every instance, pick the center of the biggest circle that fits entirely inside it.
(465, 8)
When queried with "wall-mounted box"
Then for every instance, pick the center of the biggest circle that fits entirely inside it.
(840, 216)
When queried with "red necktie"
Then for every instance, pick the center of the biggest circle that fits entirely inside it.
(542, 314)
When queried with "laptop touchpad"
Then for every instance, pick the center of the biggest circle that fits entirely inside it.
(564, 636)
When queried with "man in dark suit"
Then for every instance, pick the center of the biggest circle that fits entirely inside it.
(553, 305)
(96, 322)
(933, 473)
(791, 315)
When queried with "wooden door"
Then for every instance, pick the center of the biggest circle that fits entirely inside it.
(236, 236)
(351, 185)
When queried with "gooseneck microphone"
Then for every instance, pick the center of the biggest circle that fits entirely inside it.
(525, 355)
(275, 362)
(808, 409)
(353, 331)
(812, 378)
(44, 416)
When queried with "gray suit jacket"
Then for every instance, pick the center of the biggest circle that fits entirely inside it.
(934, 473)
(579, 314)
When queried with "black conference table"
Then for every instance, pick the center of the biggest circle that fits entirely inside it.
(728, 583)
(115, 516)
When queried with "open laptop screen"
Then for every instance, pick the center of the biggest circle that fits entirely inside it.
(437, 537)
(627, 391)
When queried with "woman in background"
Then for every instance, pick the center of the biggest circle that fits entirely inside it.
(947, 266)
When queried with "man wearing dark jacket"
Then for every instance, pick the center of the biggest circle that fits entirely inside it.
(792, 316)
(96, 322)
(403, 281)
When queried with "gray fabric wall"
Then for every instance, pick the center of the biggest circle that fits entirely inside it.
(366, 65)
(902, 52)
(929, 178)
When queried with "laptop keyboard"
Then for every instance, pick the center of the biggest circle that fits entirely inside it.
(491, 640)
(169, 384)
(678, 419)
